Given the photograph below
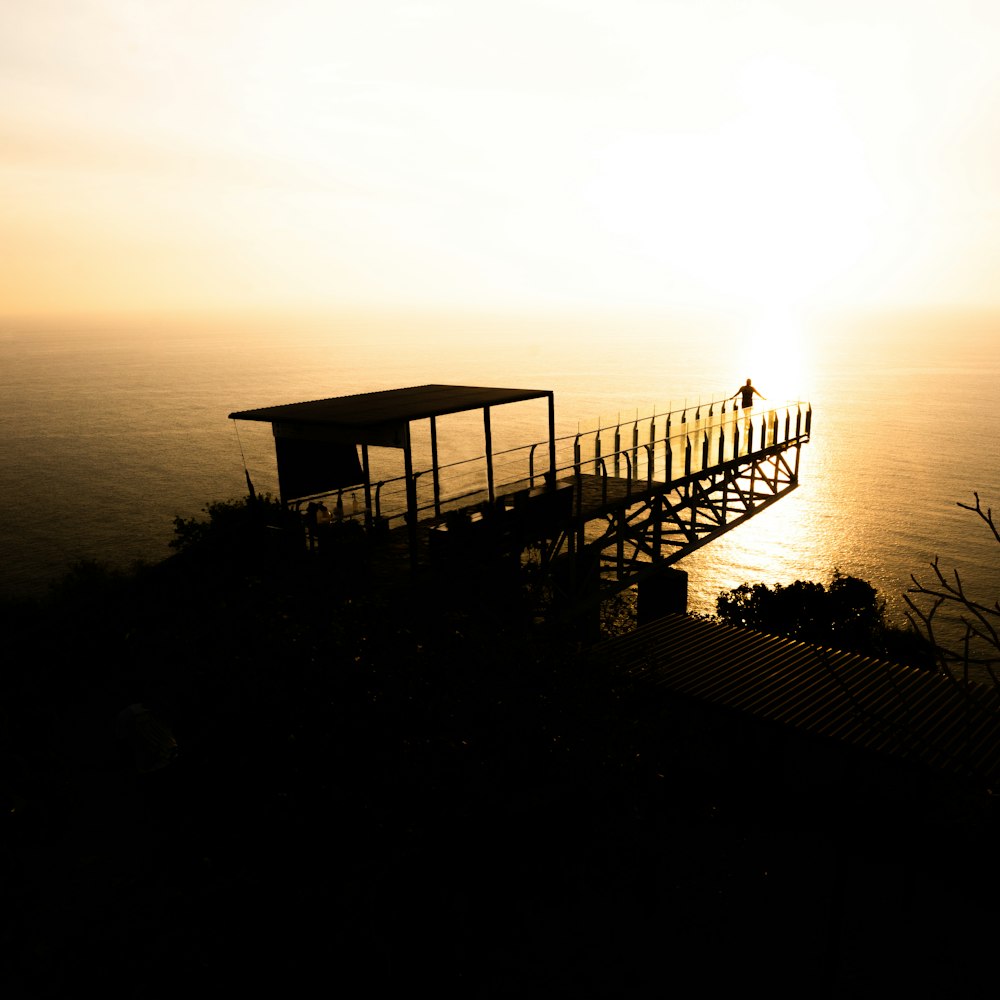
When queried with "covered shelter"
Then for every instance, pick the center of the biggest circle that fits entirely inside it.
(317, 442)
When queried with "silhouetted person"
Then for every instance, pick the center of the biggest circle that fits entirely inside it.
(748, 393)
(317, 518)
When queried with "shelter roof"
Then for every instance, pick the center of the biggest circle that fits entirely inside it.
(861, 701)
(391, 405)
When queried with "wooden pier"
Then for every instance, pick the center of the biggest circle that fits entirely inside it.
(589, 514)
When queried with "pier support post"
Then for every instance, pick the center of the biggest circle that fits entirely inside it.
(663, 593)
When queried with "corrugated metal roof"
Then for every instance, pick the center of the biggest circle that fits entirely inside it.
(858, 700)
(390, 405)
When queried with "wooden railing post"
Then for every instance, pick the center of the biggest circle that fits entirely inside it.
(652, 446)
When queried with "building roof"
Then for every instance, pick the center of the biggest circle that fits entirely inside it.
(390, 405)
(857, 700)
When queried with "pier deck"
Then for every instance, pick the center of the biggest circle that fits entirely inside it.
(614, 504)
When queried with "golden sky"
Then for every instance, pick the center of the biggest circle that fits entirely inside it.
(472, 154)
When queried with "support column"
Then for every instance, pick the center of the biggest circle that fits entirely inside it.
(489, 452)
(663, 593)
(657, 527)
(552, 440)
(368, 487)
(411, 495)
(434, 467)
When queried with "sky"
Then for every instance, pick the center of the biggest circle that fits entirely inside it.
(183, 156)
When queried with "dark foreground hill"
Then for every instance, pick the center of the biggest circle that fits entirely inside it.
(410, 789)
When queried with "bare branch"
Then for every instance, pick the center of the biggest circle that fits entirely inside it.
(986, 515)
(981, 622)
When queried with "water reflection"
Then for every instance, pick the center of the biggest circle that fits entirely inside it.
(904, 426)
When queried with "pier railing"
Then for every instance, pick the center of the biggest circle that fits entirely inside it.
(656, 448)
(698, 446)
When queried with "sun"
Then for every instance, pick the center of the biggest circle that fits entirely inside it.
(774, 348)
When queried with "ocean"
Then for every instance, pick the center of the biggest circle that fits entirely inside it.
(110, 430)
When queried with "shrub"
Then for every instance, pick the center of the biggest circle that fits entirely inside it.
(846, 615)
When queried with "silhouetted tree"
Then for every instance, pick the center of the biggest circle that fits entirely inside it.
(846, 615)
(978, 640)
(232, 524)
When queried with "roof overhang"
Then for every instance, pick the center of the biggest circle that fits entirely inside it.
(380, 418)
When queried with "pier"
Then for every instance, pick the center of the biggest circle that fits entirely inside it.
(586, 514)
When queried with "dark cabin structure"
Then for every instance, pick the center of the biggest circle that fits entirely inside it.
(317, 442)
